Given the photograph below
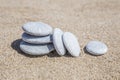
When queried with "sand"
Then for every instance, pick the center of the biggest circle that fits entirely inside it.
(87, 19)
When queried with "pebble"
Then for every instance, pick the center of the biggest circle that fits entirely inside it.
(71, 44)
(58, 41)
(96, 48)
(36, 39)
(33, 49)
(37, 28)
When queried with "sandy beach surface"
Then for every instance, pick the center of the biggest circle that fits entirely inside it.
(87, 19)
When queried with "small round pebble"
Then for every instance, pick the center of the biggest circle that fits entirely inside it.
(71, 43)
(36, 39)
(37, 28)
(33, 49)
(58, 41)
(96, 48)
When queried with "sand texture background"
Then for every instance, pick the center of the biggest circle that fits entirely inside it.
(87, 19)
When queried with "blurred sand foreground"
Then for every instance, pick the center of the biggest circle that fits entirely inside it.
(87, 19)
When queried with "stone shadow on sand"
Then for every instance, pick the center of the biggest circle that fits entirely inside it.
(86, 52)
(16, 46)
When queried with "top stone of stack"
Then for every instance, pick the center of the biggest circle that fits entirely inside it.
(37, 29)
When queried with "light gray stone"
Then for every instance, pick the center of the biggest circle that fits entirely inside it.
(37, 28)
(71, 43)
(36, 39)
(58, 41)
(96, 48)
(33, 49)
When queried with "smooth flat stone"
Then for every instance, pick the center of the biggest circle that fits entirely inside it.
(71, 43)
(36, 39)
(96, 48)
(33, 49)
(58, 41)
(37, 28)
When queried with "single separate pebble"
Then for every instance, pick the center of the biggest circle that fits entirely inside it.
(71, 43)
(37, 28)
(96, 48)
(36, 39)
(33, 49)
(58, 41)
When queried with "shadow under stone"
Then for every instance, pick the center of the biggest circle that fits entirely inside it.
(16, 46)
(86, 51)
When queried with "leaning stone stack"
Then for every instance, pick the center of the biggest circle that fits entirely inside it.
(39, 39)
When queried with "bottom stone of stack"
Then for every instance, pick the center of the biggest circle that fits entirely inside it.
(36, 49)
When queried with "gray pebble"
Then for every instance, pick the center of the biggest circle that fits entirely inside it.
(96, 48)
(33, 49)
(36, 39)
(71, 43)
(58, 41)
(37, 28)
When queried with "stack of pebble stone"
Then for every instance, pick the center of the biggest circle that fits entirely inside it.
(40, 39)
